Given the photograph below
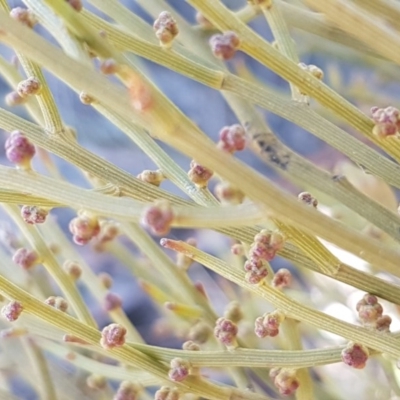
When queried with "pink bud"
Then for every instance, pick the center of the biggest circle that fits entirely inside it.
(112, 336)
(29, 87)
(355, 355)
(127, 391)
(33, 214)
(282, 278)
(232, 138)
(166, 28)
(224, 46)
(286, 382)
(167, 393)
(57, 302)
(112, 301)
(158, 218)
(75, 4)
(179, 369)
(109, 66)
(225, 331)
(83, 229)
(199, 174)
(12, 310)
(19, 150)
(25, 258)
(73, 269)
(24, 16)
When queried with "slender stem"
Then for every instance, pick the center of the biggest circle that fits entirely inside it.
(259, 49)
(376, 340)
(50, 263)
(46, 386)
(124, 354)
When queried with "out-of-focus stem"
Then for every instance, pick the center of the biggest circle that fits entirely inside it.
(50, 263)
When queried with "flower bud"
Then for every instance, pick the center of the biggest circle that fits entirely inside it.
(127, 391)
(282, 278)
(112, 336)
(199, 174)
(225, 331)
(12, 311)
(19, 150)
(179, 369)
(57, 302)
(112, 301)
(33, 214)
(224, 46)
(158, 218)
(25, 258)
(166, 28)
(355, 355)
(24, 16)
(29, 87)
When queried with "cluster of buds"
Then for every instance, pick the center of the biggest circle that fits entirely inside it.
(57, 302)
(282, 278)
(12, 311)
(158, 217)
(165, 28)
(179, 369)
(226, 331)
(268, 324)
(199, 174)
(307, 198)
(313, 70)
(84, 228)
(33, 214)
(224, 46)
(264, 248)
(127, 391)
(25, 258)
(167, 393)
(228, 194)
(19, 150)
(355, 355)
(256, 271)
(370, 313)
(266, 244)
(112, 336)
(285, 380)
(387, 122)
(24, 15)
(153, 177)
(232, 138)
